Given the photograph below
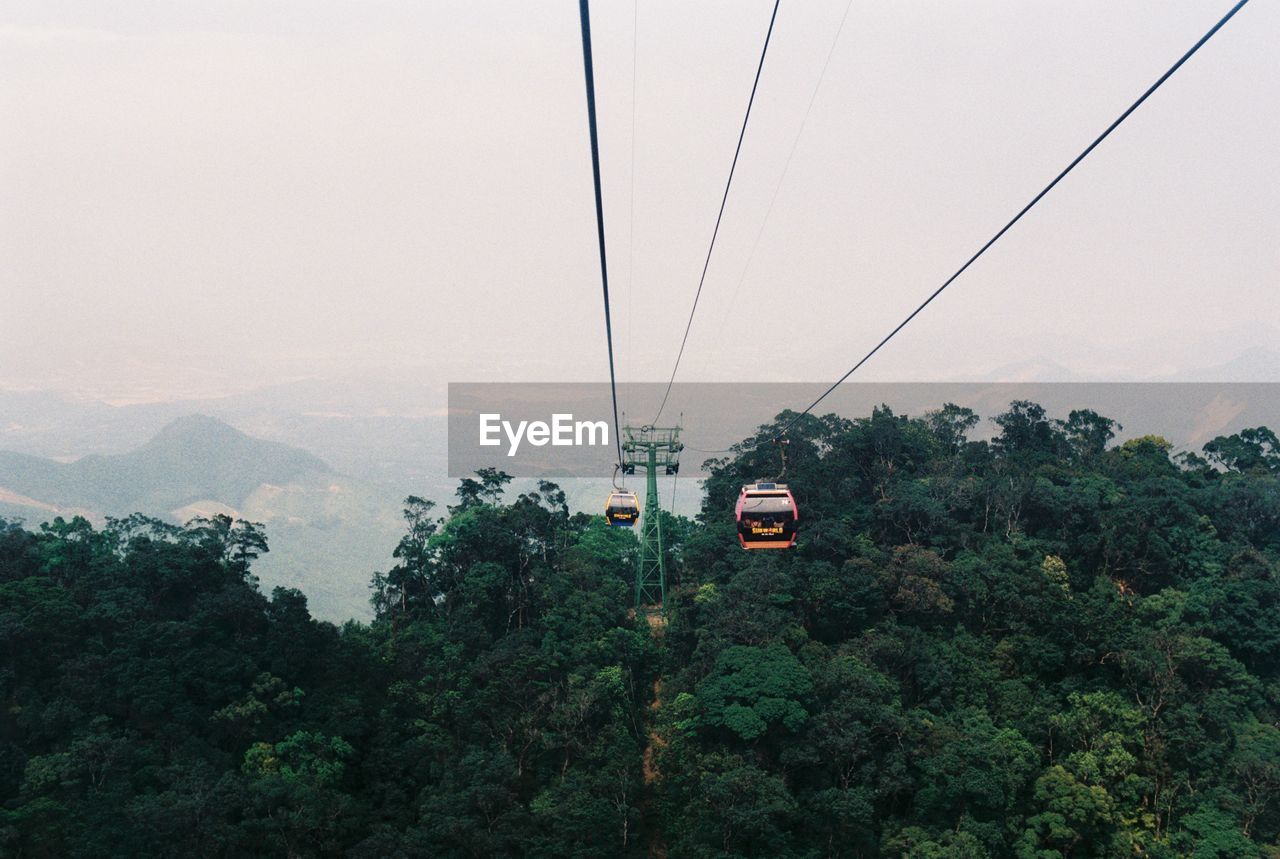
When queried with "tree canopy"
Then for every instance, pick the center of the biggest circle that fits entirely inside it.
(1047, 644)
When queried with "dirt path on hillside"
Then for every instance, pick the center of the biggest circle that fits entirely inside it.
(656, 742)
(657, 846)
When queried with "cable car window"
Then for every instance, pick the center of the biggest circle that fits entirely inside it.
(761, 505)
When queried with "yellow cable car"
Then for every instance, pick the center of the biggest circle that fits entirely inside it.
(622, 509)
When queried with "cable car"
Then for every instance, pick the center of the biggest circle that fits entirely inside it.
(622, 509)
(767, 516)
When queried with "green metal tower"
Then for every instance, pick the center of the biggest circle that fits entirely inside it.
(651, 448)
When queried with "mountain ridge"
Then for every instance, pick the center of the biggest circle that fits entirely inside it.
(191, 458)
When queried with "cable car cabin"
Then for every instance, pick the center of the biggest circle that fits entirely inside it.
(622, 509)
(767, 516)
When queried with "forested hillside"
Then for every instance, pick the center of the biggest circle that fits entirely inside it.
(327, 529)
(1050, 644)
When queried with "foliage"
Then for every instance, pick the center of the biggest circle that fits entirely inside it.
(1044, 645)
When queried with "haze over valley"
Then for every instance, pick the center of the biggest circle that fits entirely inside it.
(325, 463)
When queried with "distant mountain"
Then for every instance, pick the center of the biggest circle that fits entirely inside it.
(1037, 369)
(1252, 365)
(1196, 353)
(192, 458)
(58, 425)
(379, 432)
(327, 532)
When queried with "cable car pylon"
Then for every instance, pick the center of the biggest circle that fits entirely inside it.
(651, 448)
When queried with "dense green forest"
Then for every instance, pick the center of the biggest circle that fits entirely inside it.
(1047, 644)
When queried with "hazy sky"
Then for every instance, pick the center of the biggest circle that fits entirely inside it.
(197, 197)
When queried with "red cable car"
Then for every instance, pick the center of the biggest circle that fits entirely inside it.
(622, 509)
(767, 516)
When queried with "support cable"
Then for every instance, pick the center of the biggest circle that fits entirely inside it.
(723, 200)
(595, 172)
(631, 196)
(1036, 199)
(786, 167)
